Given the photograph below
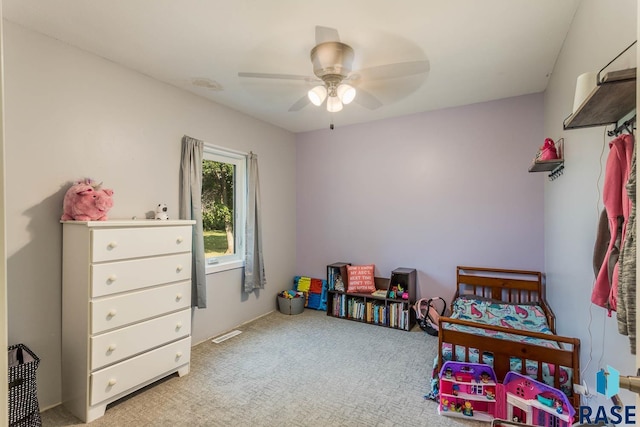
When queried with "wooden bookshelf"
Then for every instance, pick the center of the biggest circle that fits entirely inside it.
(383, 308)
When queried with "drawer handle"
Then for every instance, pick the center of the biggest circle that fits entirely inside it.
(178, 297)
(112, 382)
(112, 313)
(112, 245)
(179, 268)
(112, 278)
(180, 239)
(178, 355)
(179, 325)
(111, 348)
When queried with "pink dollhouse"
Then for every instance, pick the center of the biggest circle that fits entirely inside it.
(471, 390)
(468, 390)
(536, 403)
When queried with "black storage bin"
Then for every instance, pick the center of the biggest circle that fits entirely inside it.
(23, 392)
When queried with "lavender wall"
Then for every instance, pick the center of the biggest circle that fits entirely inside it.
(429, 191)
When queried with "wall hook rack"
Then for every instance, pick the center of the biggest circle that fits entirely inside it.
(628, 126)
(556, 173)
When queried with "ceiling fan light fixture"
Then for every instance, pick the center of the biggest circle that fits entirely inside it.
(346, 93)
(334, 104)
(317, 95)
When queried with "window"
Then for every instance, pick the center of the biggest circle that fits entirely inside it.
(223, 213)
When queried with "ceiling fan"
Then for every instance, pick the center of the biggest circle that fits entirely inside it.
(335, 80)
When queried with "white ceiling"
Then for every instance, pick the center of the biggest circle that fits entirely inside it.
(477, 50)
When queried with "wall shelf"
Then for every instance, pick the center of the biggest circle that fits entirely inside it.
(613, 98)
(545, 165)
(554, 166)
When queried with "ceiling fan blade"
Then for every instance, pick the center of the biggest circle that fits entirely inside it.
(390, 71)
(367, 100)
(326, 34)
(300, 104)
(278, 76)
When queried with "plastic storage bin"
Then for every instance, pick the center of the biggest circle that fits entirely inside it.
(23, 392)
(290, 305)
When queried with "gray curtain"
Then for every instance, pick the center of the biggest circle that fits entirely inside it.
(191, 208)
(254, 277)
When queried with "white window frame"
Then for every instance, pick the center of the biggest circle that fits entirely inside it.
(239, 160)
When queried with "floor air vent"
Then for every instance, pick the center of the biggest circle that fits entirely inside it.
(225, 337)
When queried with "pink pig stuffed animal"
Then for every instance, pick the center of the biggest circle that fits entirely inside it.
(86, 201)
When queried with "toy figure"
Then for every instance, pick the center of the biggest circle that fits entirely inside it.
(490, 394)
(468, 409)
(485, 377)
(161, 212)
(445, 404)
(448, 373)
(558, 405)
(339, 284)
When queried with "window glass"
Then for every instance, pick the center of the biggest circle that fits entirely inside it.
(223, 199)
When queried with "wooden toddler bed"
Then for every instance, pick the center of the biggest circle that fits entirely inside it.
(500, 317)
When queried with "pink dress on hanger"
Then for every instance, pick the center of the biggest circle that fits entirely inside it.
(618, 206)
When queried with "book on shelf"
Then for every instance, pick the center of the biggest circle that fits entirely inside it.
(380, 293)
(356, 308)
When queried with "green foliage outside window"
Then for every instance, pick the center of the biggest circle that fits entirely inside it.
(217, 205)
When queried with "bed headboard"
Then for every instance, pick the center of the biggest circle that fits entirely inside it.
(513, 286)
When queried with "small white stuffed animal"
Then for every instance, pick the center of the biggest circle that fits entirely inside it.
(161, 211)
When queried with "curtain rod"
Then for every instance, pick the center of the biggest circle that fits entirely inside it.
(228, 150)
(218, 147)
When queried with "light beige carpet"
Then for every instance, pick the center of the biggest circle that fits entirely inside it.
(302, 370)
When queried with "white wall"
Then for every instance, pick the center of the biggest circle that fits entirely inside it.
(3, 264)
(429, 191)
(70, 114)
(601, 29)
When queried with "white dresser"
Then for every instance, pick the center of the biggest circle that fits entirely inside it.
(126, 309)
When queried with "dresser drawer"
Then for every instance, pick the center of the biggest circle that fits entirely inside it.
(113, 244)
(114, 346)
(121, 377)
(123, 309)
(120, 276)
